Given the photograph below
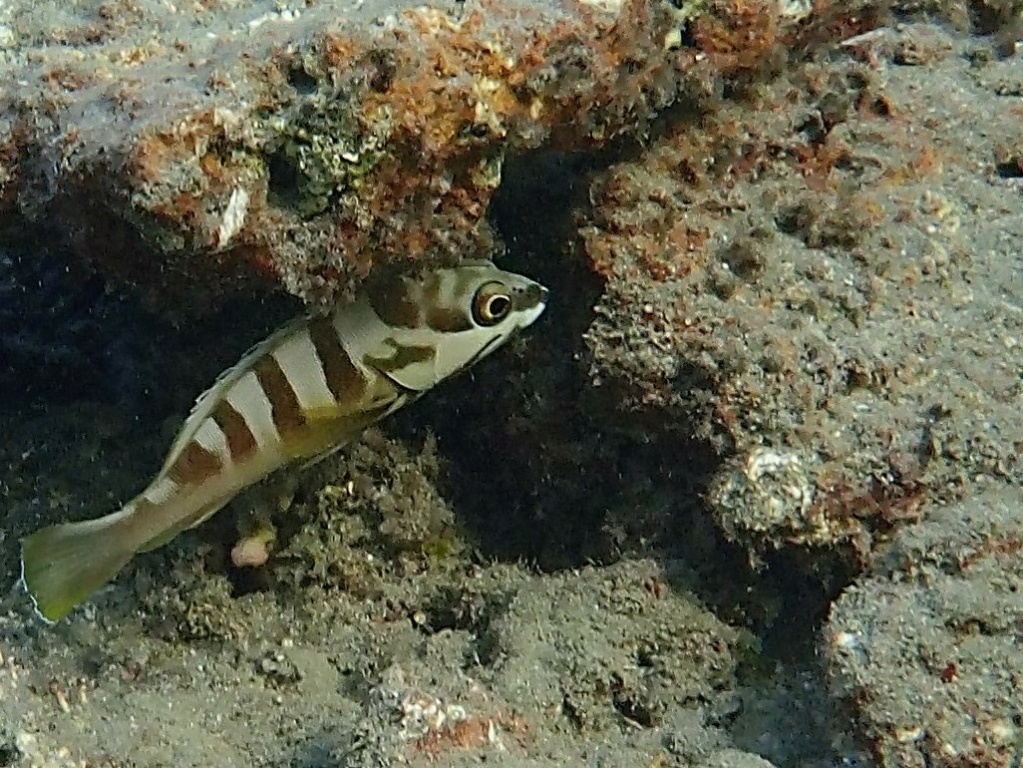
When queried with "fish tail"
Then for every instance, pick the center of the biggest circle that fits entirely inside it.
(64, 564)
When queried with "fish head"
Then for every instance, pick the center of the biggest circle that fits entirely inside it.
(446, 320)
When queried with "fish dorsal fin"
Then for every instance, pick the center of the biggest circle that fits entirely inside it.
(207, 401)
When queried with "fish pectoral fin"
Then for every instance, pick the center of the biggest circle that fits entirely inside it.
(324, 433)
(64, 564)
(327, 431)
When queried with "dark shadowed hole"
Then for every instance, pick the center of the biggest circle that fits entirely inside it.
(508, 426)
(805, 602)
(65, 335)
(541, 465)
(9, 753)
(1010, 170)
(283, 189)
(385, 68)
(302, 81)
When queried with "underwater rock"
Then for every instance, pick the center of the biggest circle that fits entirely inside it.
(802, 284)
(298, 146)
(190, 150)
(924, 651)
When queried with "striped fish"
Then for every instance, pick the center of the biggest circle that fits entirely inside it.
(304, 392)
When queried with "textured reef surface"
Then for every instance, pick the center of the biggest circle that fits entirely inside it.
(747, 495)
(302, 146)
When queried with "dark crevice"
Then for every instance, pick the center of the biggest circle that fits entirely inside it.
(1010, 170)
(543, 467)
(66, 336)
(283, 184)
(303, 82)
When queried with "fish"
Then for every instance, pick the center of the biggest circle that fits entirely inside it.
(303, 393)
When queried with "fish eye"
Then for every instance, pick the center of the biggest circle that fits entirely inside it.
(491, 304)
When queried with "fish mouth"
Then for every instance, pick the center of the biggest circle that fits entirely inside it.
(532, 297)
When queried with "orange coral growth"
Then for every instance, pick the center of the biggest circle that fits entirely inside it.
(417, 116)
(739, 34)
(473, 733)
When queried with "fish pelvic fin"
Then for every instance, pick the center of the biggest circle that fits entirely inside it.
(64, 564)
